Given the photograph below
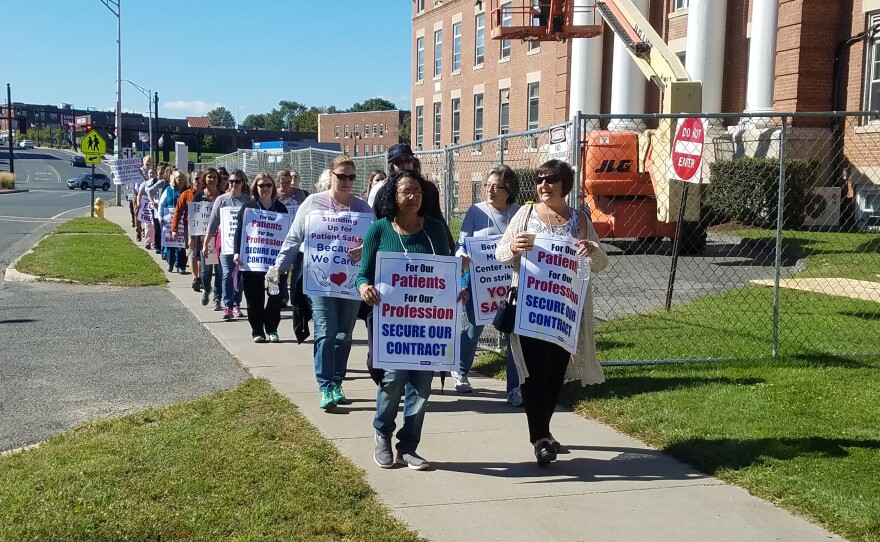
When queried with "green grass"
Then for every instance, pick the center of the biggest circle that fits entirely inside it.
(239, 465)
(92, 258)
(89, 225)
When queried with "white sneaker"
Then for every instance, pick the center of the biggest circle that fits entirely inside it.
(462, 384)
(514, 397)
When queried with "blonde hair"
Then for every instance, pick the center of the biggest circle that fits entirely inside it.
(323, 183)
(341, 160)
(178, 175)
(255, 190)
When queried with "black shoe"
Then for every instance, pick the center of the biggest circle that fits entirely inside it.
(544, 452)
(197, 285)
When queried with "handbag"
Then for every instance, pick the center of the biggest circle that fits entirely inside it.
(506, 315)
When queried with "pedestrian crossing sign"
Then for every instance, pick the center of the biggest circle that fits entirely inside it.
(93, 143)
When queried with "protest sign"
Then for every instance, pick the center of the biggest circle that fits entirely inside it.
(167, 241)
(329, 272)
(490, 280)
(210, 253)
(198, 214)
(416, 323)
(553, 282)
(262, 235)
(145, 211)
(126, 170)
(228, 223)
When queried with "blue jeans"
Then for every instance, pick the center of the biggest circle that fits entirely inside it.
(231, 296)
(209, 273)
(334, 320)
(388, 397)
(512, 375)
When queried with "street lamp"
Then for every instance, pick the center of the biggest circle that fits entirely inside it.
(149, 94)
(115, 8)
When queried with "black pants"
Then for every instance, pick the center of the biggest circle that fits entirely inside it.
(157, 235)
(263, 312)
(546, 364)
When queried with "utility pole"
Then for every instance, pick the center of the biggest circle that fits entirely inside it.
(156, 131)
(9, 126)
(115, 7)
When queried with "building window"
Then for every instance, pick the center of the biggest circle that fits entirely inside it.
(536, 21)
(681, 4)
(533, 106)
(437, 125)
(374, 149)
(420, 58)
(346, 150)
(479, 39)
(381, 148)
(347, 133)
(366, 130)
(506, 20)
(375, 131)
(420, 126)
(336, 131)
(421, 6)
(381, 131)
(366, 150)
(438, 53)
(357, 130)
(872, 71)
(456, 47)
(504, 111)
(456, 119)
(478, 117)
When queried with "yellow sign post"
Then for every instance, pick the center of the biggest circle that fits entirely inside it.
(93, 147)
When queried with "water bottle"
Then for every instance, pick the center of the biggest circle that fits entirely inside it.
(272, 281)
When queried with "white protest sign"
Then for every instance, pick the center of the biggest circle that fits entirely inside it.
(210, 254)
(416, 323)
(126, 170)
(145, 211)
(228, 223)
(167, 241)
(262, 234)
(490, 280)
(328, 270)
(198, 214)
(553, 282)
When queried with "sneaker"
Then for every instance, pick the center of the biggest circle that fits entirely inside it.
(462, 384)
(197, 287)
(183, 272)
(327, 401)
(339, 397)
(236, 312)
(206, 296)
(273, 338)
(382, 452)
(148, 246)
(259, 339)
(514, 397)
(138, 238)
(217, 305)
(227, 314)
(412, 461)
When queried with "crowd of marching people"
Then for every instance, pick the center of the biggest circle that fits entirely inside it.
(404, 216)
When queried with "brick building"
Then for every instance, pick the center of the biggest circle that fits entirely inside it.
(363, 133)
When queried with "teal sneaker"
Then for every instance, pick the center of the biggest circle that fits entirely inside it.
(339, 397)
(327, 400)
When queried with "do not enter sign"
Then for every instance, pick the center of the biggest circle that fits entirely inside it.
(687, 150)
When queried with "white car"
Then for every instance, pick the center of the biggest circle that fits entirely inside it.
(26, 144)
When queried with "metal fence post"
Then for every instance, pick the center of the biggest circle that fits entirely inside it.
(501, 142)
(575, 134)
(780, 208)
(448, 183)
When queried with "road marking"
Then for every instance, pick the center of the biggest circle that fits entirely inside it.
(74, 194)
(27, 219)
(72, 210)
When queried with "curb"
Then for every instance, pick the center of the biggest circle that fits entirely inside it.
(14, 191)
(14, 275)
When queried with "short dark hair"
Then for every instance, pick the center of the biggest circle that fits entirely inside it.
(385, 205)
(560, 169)
(510, 180)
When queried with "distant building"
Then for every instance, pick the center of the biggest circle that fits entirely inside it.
(361, 134)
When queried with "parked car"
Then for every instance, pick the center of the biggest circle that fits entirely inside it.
(86, 181)
(78, 160)
(26, 144)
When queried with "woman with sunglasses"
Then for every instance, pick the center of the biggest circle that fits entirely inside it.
(334, 317)
(173, 192)
(263, 315)
(210, 272)
(487, 218)
(543, 366)
(235, 198)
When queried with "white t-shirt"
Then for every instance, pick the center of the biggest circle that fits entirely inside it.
(371, 199)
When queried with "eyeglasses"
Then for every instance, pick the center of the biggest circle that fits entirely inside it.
(494, 187)
(235, 181)
(402, 160)
(344, 177)
(407, 193)
(262, 185)
(552, 179)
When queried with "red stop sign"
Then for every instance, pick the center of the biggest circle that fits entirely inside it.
(687, 150)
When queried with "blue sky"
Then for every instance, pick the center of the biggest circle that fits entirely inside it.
(197, 54)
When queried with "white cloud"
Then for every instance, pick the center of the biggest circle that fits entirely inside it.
(188, 108)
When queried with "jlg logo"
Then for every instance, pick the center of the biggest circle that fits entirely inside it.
(611, 166)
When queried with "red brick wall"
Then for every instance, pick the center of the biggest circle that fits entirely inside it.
(327, 122)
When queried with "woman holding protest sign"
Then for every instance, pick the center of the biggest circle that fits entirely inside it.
(486, 220)
(174, 254)
(180, 221)
(221, 229)
(209, 271)
(543, 365)
(403, 228)
(328, 275)
(263, 315)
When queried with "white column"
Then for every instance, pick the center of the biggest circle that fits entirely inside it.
(627, 84)
(762, 60)
(585, 89)
(704, 53)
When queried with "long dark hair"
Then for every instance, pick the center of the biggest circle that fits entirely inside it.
(385, 205)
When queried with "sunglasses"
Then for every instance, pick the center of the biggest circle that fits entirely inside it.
(261, 185)
(344, 177)
(552, 179)
(235, 181)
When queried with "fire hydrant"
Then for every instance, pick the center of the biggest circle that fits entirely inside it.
(99, 208)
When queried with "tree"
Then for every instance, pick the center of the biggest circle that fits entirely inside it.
(404, 133)
(207, 143)
(253, 122)
(373, 104)
(220, 116)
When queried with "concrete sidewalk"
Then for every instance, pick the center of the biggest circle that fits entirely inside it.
(485, 484)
